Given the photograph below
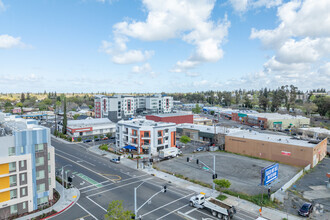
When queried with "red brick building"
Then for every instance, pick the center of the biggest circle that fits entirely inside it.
(176, 118)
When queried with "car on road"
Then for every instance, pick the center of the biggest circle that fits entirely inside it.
(87, 141)
(114, 160)
(306, 209)
(200, 149)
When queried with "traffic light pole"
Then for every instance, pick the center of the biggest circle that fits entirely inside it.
(214, 174)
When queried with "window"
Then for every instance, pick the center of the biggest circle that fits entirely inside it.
(11, 151)
(39, 147)
(23, 192)
(159, 141)
(49, 169)
(13, 194)
(159, 133)
(49, 154)
(13, 180)
(42, 200)
(41, 188)
(13, 209)
(24, 205)
(22, 150)
(12, 167)
(40, 174)
(23, 177)
(49, 181)
(40, 161)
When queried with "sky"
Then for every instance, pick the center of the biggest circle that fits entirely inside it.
(129, 46)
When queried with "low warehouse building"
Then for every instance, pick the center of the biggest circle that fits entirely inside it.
(280, 148)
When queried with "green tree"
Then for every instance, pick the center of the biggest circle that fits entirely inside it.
(116, 211)
(222, 183)
(247, 101)
(197, 109)
(65, 119)
(185, 139)
(323, 104)
(19, 104)
(22, 97)
(75, 117)
(90, 107)
(263, 102)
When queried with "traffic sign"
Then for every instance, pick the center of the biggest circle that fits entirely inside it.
(205, 168)
(269, 174)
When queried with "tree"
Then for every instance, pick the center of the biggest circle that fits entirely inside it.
(19, 104)
(185, 139)
(75, 117)
(65, 119)
(116, 211)
(263, 102)
(90, 107)
(309, 108)
(22, 97)
(197, 109)
(323, 104)
(247, 101)
(222, 183)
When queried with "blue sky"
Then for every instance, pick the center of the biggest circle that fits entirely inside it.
(155, 45)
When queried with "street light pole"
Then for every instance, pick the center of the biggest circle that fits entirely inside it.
(213, 185)
(135, 203)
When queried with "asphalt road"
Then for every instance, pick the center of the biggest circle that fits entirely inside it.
(101, 181)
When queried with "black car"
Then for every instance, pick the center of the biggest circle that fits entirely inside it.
(306, 209)
(97, 139)
(88, 140)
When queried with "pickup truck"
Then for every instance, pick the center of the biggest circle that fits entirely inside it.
(216, 207)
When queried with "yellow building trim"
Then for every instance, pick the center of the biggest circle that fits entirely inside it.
(4, 196)
(4, 168)
(4, 182)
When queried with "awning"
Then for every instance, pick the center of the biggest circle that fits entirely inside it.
(130, 147)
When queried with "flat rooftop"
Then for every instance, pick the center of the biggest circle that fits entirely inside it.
(209, 129)
(170, 115)
(276, 116)
(281, 139)
(317, 130)
(89, 122)
(143, 122)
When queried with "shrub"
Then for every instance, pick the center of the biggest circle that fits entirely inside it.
(79, 139)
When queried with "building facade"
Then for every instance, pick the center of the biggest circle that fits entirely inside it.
(279, 148)
(145, 135)
(27, 166)
(121, 107)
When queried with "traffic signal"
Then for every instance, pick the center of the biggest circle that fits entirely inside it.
(164, 189)
(118, 158)
(69, 179)
(197, 161)
(214, 176)
(187, 159)
(151, 160)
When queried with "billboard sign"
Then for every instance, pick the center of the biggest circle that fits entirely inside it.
(286, 153)
(269, 174)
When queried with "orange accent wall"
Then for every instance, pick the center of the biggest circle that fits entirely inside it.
(5, 196)
(173, 134)
(4, 182)
(4, 168)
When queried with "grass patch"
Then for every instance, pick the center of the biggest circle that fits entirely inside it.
(103, 147)
(256, 199)
(222, 197)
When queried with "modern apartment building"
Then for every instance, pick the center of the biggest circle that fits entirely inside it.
(145, 135)
(120, 107)
(27, 166)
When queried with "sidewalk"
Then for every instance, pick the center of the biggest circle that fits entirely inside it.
(66, 201)
(62, 140)
(268, 213)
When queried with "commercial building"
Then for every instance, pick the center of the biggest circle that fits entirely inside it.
(120, 107)
(88, 128)
(198, 120)
(283, 149)
(205, 134)
(27, 166)
(177, 118)
(316, 133)
(145, 135)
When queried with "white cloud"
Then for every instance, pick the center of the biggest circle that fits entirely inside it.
(20, 79)
(145, 68)
(242, 6)
(188, 20)
(7, 41)
(2, 6)
(132, 56)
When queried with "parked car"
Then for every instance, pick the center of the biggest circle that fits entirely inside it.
(105, 138)
(200, 149)
(115, 160)
(97, 139)
(306, 209)
(256, 127)
(112, 138)
(86, 141)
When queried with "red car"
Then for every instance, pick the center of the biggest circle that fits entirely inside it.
(105, 138)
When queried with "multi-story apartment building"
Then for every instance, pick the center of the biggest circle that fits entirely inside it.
(146, 135)
(120, 107)
(27, 166)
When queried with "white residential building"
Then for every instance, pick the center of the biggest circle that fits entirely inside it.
(27, 166)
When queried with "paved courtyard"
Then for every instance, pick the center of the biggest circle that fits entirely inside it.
(242, 172)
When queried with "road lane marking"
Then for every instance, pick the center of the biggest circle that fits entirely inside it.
(90, 180)
(205, 214)
(106, 185)
(119, 187)
(86, 211)
(190, 211)
(167, 204)
(85, 167)
(96, 204)
(82, 217)
(75, 157)
(105, 174)
(85, 187)
(172, 212)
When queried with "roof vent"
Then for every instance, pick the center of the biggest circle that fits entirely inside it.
(279, 139)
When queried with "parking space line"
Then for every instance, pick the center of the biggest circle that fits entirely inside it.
(74, 157)
(86, 211)
(96, 204)
(167, 204)
(205, 214)
(190, 211)
(119, 187)
(82, 217)
(172, 212)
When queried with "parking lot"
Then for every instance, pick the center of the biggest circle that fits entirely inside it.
(242, 172)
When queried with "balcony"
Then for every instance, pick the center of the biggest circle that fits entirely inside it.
(145, 146)
(146, 137)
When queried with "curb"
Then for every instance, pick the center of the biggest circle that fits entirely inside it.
(59, 211)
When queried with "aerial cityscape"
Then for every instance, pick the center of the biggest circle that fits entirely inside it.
(165, 110)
